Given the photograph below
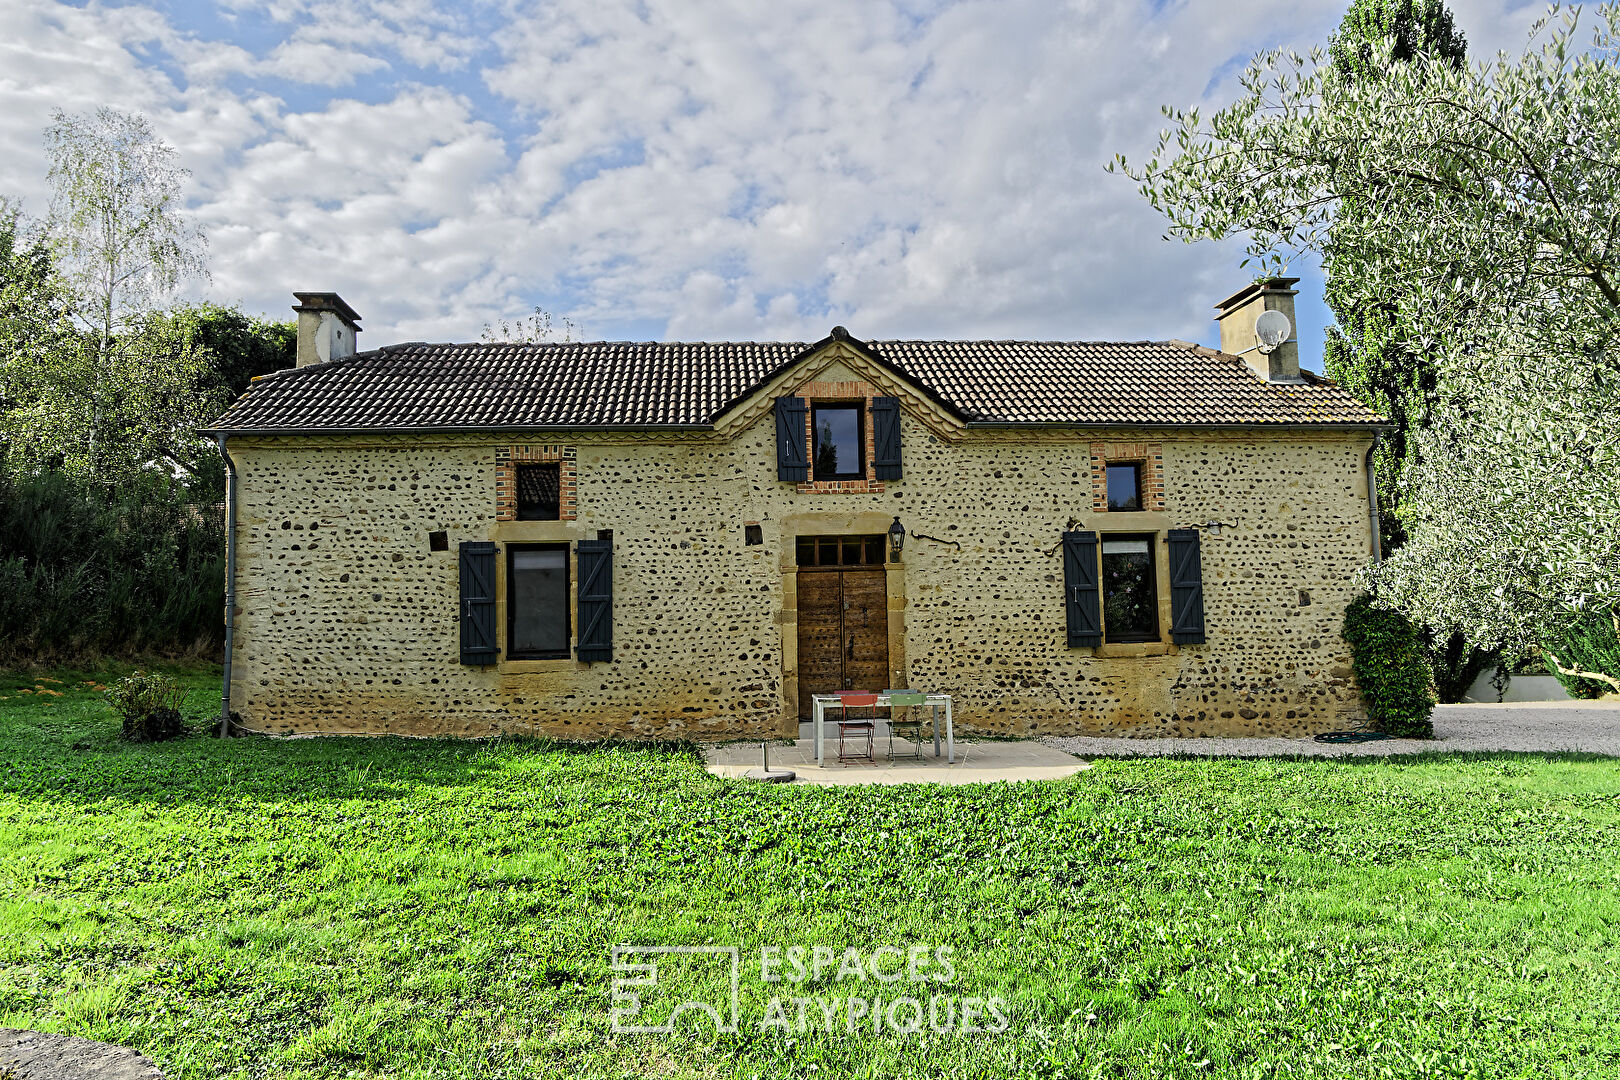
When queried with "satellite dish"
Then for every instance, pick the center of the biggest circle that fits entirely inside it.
(1271, 329)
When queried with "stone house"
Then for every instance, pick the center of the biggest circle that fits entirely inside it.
(688, 539)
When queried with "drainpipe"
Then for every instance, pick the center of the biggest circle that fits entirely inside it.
(1372, 500)
(230, 588)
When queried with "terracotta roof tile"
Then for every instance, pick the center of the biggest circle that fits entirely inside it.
(674, 384)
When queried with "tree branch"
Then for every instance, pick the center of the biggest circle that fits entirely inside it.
(1580, 674)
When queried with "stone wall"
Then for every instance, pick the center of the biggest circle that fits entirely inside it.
(347, 621)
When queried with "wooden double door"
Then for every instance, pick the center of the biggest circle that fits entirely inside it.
(843, 631)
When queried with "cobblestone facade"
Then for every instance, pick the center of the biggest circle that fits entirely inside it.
(348, 622)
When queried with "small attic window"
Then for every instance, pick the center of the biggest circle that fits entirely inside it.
(539, 490)
(1125, 487)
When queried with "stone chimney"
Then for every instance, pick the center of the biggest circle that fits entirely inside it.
(1237, 315)
(327, 327)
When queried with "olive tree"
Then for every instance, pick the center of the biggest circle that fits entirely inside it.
(1491, 194)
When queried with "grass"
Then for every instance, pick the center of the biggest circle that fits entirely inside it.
(411, 908)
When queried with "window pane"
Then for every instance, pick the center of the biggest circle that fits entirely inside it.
(874, 549)
(1130, 603)
(828, 555)
(838, 442)
(806, 552)
(538, 490)
(1123, 485)
(539, 601)
(852, 552)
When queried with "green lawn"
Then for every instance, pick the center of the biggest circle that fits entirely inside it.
(347, 907)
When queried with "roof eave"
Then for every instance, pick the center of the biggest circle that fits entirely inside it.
(1240, 425)
(453, 429)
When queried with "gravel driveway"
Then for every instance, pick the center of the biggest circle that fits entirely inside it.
(1591, 726)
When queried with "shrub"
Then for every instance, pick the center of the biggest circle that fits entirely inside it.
(149, 706)
(1392, 669)
(1591, 643)
(90, 570)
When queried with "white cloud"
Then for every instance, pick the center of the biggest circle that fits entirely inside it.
(706, 171)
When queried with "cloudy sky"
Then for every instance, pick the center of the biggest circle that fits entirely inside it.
(679, 169)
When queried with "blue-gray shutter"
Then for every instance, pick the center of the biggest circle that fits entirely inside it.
(478, 602)
(792, 458)
(1186, 588)
(1082, 604)
(886, 438)
(594, 600)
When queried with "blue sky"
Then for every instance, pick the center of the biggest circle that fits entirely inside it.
(678, 169)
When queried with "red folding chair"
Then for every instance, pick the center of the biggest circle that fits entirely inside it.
(856, 726)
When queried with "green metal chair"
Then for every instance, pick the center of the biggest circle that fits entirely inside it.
(910, 700)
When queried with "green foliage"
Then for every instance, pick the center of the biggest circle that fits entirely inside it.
(148, 704)
(1412, 27)
(228, 350)
(324, 908)
(1470, 209)
(34, 321)
(88, 570)
(1386, 653)
(1590, 643)
(1365, 353)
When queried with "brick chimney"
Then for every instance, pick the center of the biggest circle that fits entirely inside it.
(327, 327)
(1237, 314)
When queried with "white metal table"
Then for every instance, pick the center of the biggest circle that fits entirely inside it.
(930, 701)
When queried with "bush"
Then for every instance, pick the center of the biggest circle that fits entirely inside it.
(1587, 644)
(89, 570)
(1392, 669)
(149, 706)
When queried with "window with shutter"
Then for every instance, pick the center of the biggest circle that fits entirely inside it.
(886, 438)
(1186, 588)
(478, 602)
(537, 601)
(595, 600)
(792, 457)
(1081, 606)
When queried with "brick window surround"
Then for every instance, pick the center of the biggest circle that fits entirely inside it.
(507, 458)
(1148, 455)
(829, 393)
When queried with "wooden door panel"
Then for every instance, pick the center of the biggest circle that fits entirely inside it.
(820, 636)
(866, 630)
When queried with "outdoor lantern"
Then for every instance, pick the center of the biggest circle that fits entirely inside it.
(1214, 527)
(897, 540)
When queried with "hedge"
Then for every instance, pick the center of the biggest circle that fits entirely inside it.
(92, 570)
(1392, 669)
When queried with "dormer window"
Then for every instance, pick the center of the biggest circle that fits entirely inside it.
(840, 441)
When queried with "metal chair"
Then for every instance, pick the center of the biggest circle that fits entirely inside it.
(912, 721)
(847, 725)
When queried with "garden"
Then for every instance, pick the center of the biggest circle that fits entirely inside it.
(420, 908)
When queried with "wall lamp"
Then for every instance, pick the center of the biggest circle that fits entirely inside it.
(897, 540)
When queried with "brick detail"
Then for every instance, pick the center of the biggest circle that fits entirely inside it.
(1150, 455)
(819, 392)
(506, 460)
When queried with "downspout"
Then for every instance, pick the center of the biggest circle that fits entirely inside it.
(1372, 501)
(230, 588)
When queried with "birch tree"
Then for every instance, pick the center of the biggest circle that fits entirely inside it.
(122, 243)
